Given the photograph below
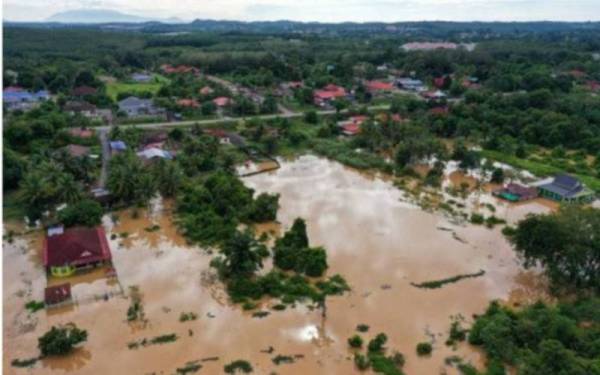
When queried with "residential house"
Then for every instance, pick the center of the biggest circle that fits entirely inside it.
(411, 84)
(222, 101)
(593, 86)
(75, 249)
(439, 111)
(17, 98)
(352, 125)
(77, 151)
(117, 146)
(565, 188)
(328, 94)
(81, 132)
(433, 95)
(89, 111)
(514, 192)
(57, 295)
(206, 90)
(179, 69)
(188, 103)
(84, 91)
(151, 154)
(375, 87)
(135, 107)
(141, 77)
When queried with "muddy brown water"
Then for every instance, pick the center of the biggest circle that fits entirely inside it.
(379, 243)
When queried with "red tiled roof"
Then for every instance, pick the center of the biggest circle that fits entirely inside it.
(84, 90)
(192, 103)
(77, 151)
(57, 294)
(379, 86)
(351, 129)
(593, 85)
(81, 133)
(439, 82)
(206, 90)
(219, 133)
(76, 246)
(168, 68)
(221, 101)
(330, 91)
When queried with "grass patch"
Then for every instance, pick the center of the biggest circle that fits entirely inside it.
(115, 88)
(439, 283)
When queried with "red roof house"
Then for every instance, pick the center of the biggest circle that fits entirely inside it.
(593, 86)
(206, 90)
(188, 103)
(76, 247)
(329, 92)
(351, 129)
(83, 91)
(81, 132)
(221, 101)
(170, 69)
(439, 82)
(379, 86)
(54, 295)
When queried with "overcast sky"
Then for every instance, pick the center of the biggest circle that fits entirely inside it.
(321, 10)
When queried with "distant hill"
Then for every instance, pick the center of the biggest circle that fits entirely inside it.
(102, 16)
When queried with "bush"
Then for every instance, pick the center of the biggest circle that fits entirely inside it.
(61, 340)
(376, 345)
(238, 365)
(477, 219)
(424, 348)
(361, 361)
(362, 328)
(355, 341)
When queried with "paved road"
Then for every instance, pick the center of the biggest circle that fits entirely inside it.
(174, 124)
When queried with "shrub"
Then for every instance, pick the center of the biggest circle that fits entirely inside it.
(361, 361)
(86, 212)
(477, 219)
(376, 344)
(238, 365)
(362, 328)
(61, 340)
(355, 341)
(424, 348)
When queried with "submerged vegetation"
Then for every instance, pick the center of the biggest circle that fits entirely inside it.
(440, 283)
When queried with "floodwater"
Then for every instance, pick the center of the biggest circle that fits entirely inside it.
(376, 240)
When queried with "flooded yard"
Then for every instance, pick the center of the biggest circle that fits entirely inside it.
(377, 240)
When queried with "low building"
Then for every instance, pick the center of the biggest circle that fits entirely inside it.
(188, 103)
(117, 146)
(222, 101)
(81, 132)
(89, 111)
(565, 188)
(411, 84)
(352, 126)
(179, 69)
(153, 153)
(58, 295)
(16, 98)
(206, 90)
(84, 91)
(428, 46)
(433, 95)
(75, 249)
(134, 107)
(378, 86)
(516, 193)
(328, 94)
(77, 151)
(141, 77)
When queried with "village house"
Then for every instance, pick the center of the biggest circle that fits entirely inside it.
(77, 151)
(135, 107)
(151, 154)
(117, 146)
(222, 101)
(376, 87)
(188, 103)
(411, 84)
(565, 188)
(84, 91)
(514, 192)
(81, 133)
(89, 111)
(17, 98)
(206, 90)
(57, 295)
(70, 250)
(179, 69)
(328, 94)
(352, 126)
(141, 77)
(433, 95)
(428, 46)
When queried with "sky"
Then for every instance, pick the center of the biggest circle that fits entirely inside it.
(321, 10)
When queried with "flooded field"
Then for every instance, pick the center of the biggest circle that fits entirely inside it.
(377, 240)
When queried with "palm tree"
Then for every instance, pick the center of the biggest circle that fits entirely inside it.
(35, 191)
(67, 189)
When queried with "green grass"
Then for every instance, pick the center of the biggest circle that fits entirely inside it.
(539, 169)
(113, 89)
